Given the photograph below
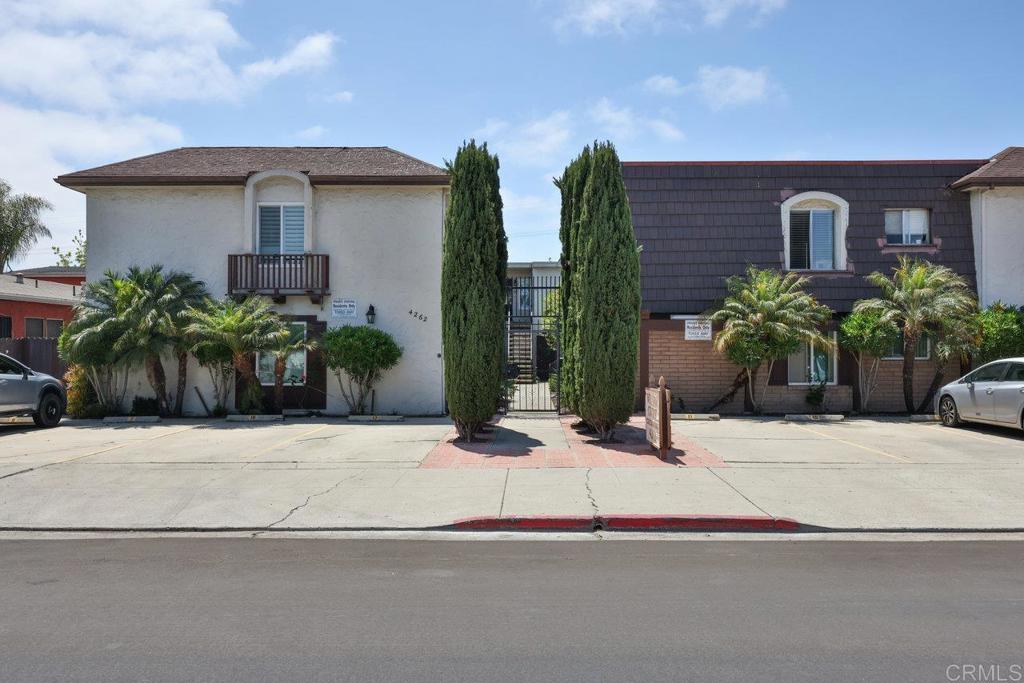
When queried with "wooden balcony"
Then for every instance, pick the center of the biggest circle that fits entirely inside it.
(279, 275)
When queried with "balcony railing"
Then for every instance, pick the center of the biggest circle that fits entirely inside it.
(279, 275)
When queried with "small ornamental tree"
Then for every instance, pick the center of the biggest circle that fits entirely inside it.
(765, 317)
(606, 288)
(918, 298)
(957, 342)
(288, 343)
(868, 339)
(1002, 332)
(216, 358)
(472, 298)
(359, 355)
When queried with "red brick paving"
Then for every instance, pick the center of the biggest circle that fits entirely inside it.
(584, 451)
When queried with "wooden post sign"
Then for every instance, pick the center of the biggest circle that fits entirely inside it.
(658, 417)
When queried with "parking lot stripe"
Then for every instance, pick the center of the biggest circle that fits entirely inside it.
(288, 441)
(972, 435)
(851, 443)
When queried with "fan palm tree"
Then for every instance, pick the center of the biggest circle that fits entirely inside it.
(245, 328)
(765, 317)
(285, 346)
(20, 226)
(156, 320)
(91, 339)
(920, 297)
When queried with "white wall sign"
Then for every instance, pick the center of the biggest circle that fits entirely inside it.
(698, 329)
(343, 309)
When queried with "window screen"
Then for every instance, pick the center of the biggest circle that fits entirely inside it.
(822, 240)
(270, 230)
(6, 328)
(54, 328)
(800, 240)
(906, 226)
(33, 327)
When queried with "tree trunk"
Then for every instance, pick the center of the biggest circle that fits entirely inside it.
(752, 390)
(252, 382)
(933, 388)
(158, 380)
(179, 397)
(279, 368)
(909, 350)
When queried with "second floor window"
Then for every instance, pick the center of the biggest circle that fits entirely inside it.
(906, 226)
(282, 229)
(812, 240)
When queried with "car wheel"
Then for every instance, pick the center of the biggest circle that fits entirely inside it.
(50, 411)
(948, 412)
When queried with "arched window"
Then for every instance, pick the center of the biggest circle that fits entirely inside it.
(814, 231)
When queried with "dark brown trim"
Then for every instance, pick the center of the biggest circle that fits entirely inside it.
(880, 162)
(75, 181)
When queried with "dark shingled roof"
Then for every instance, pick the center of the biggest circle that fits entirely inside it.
(233, 165)
(1005, 168)
(49, 270)
(700, 222)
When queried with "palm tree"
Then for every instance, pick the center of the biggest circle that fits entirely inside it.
(245, 328)
(918, 298)
(288, 344)
(20, 226)
(765, 317)
(156, 321)
(92, 338)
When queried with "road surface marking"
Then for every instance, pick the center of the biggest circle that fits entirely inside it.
(851, 443)
(288, 441)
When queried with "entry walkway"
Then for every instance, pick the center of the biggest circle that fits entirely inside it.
(520, 441)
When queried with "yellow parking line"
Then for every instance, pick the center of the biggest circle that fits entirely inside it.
(851, 443)
(961, 432)
(287, 441)
(120, 445)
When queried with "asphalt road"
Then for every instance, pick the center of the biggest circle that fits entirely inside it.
(218, 609)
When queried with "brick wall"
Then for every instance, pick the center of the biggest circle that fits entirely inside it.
(700, 376)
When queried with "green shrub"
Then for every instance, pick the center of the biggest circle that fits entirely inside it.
(358, 356)
(869, 339)
(82, 401)
(1002, 330)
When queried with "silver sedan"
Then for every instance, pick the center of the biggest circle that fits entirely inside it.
(992, 394)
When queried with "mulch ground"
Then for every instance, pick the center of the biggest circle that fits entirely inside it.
(631, 450)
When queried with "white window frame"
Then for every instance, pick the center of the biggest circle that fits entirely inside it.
(928, 344)
(305, 358)
(280, 235)
(903, 227)
(840, 222)
(835, 367)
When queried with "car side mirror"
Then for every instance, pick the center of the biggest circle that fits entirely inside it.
(970, 385)
(24, 374)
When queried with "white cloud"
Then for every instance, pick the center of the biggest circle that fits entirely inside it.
(530, 215)
(95, 55)
(599, 17)
(664, 85)
(311, 52)
(728, 86)
(539, 141)
(342, 97)
(312, 133)
(717, 12)
(40, 144)
(622, 123)
(594, 17)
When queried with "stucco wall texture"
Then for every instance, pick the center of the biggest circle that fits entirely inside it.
(997, 216)
(384, 245)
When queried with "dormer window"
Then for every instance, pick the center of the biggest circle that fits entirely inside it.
(906, 226)
(814, 231)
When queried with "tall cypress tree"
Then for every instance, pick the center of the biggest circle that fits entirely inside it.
(571, 185)
(471, 296)
(606, 287)
(501, 256)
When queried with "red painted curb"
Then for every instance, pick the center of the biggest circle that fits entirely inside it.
(628, 523)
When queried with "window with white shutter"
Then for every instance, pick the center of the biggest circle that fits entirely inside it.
(282, 229)
(812, 240)
(907, 226)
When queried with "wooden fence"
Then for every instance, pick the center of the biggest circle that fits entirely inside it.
(38, 353)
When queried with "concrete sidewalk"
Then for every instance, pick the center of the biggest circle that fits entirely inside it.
(312, 474)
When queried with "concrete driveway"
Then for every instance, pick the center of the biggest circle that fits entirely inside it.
(329, 473)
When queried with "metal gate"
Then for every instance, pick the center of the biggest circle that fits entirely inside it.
(532, 349)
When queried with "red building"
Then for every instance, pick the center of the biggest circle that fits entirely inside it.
(32, 307)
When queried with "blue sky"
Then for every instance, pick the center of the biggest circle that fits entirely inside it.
(86, 82)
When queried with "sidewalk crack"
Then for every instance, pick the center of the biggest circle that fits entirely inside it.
(309, 498)
(740, 493)
(590, 491)
(504, 490)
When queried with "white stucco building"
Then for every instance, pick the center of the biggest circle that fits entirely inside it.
(997, 226)
(326, 232)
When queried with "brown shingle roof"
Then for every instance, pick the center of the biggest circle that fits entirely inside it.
(233, 165)
(1005, 168)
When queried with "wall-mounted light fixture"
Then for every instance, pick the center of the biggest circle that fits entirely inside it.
(371, 314)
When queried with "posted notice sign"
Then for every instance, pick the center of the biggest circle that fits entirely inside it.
(343, 309)
(697, 329)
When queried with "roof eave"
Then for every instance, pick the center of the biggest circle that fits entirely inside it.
(967, 183)
(75, 182)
